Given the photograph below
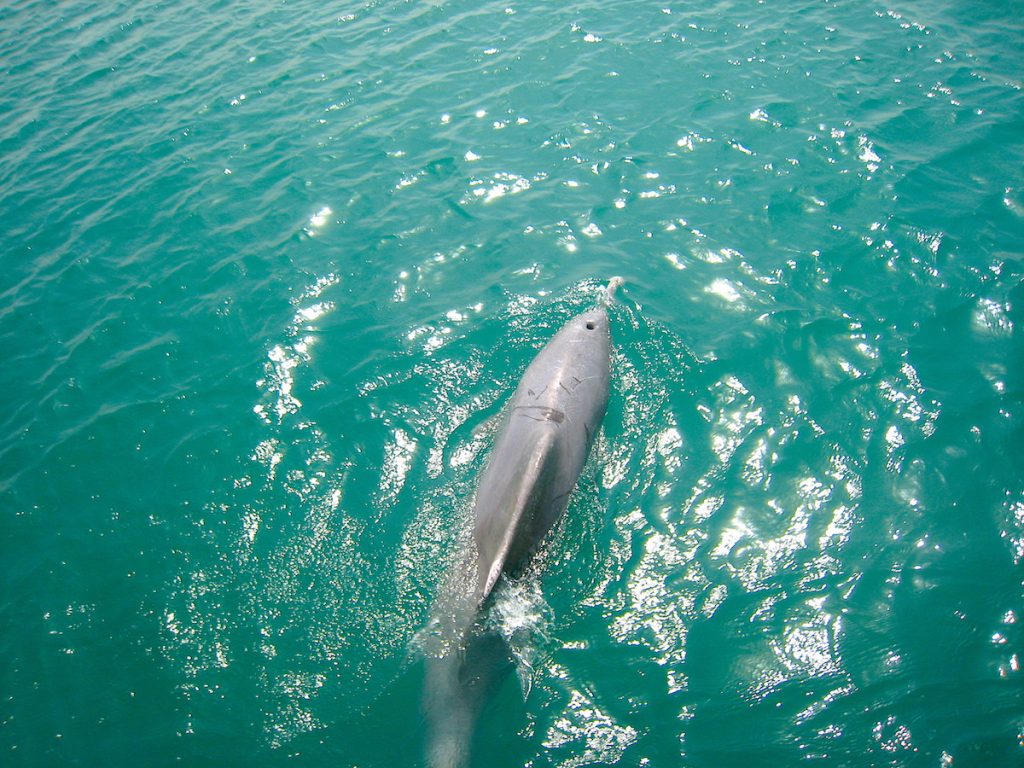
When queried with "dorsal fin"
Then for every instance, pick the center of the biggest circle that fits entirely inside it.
(524, 492)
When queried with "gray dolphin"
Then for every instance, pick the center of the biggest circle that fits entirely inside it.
(549, 427)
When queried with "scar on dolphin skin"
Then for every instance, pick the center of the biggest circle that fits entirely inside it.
(546, 413)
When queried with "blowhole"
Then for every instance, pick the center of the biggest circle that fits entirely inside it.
(590, 325)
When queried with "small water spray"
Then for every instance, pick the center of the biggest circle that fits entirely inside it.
(608, 295)
(521, 616)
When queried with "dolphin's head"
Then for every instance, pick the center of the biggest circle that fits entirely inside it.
(578, 357)
(589, 336)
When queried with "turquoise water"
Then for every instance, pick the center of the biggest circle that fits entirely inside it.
(271, 268)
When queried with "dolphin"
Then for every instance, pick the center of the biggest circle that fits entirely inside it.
(549, 427)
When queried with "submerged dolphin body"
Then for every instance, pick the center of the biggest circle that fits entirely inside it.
(549, 428)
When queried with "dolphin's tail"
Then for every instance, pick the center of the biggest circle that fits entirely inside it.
(449, 715)
(449, 712)
(465, 661)
(457, 685)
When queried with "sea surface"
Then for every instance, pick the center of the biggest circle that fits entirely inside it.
(271, 268)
